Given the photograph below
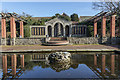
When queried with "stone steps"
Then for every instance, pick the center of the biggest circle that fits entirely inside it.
(57, 38)
(57, 41)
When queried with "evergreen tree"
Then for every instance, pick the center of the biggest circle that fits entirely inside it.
(74, 17)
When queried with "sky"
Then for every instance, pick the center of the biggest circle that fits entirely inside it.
(48, 9)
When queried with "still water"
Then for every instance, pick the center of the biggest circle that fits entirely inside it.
(82, 65)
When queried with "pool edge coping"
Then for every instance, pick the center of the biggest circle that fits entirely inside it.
(69, 50)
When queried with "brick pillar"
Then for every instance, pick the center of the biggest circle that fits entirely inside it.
(112, 64)
(103, 63)
(3, 31)
(13, 27)
(21, 29)
(13, 30)
(4, 61)
(112, 26)
(22, 61)
(14, 64)
(3, 28)
(103, 26)
(95, 28)
(95, 60)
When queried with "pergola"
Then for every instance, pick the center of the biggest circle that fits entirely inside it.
(103, 15)
(12, 17)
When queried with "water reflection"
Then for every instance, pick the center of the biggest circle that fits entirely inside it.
(101, 65)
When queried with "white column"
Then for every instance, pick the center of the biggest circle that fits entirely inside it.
(52, 31)
(70, 30)
(64, 31)
(46, 30)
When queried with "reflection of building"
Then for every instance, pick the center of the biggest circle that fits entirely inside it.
(58, 27)
(39, 57)
(104, 66)
(13, 70)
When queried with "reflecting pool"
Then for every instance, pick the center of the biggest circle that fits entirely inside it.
(81, 65)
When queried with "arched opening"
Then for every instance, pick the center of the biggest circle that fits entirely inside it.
(58, 30)
(49, 31)
(67, 31)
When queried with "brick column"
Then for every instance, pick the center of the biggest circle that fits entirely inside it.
(21, 29)
(14, 64)
(103, 63)
(95, 28)
(22, 61)
(13, 30)
(4, 61)
(103, 26)
(3, 28)
(112, 26)
(3, 31)
(112, 64)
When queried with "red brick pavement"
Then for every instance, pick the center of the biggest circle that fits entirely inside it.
(38, 47)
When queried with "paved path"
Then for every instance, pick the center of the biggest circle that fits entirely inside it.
(33, 48)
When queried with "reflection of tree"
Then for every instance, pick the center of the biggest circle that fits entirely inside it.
(60, 67)
(31, 64)
(74, 66)
(27, 58)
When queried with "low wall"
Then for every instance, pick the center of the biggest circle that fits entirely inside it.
(72, 40)
(22, 41)
(92, 40)
(29, 41)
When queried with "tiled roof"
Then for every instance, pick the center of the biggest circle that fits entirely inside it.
(41, 17)
(82, 18)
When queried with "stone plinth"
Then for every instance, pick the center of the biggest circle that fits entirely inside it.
(3, 41)
(12, 41)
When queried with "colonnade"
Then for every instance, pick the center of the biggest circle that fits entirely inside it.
(103, 26)
(12, 29)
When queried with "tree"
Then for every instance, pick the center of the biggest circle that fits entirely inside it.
(66, 17)
(74, 17)
(108, 6)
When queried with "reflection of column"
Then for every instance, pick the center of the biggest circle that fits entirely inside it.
(103, 63)
(95, 60)
(14, 61)
(52, 31)
(112, 64)
(22, 61)
(119, 63)
(4, 59)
